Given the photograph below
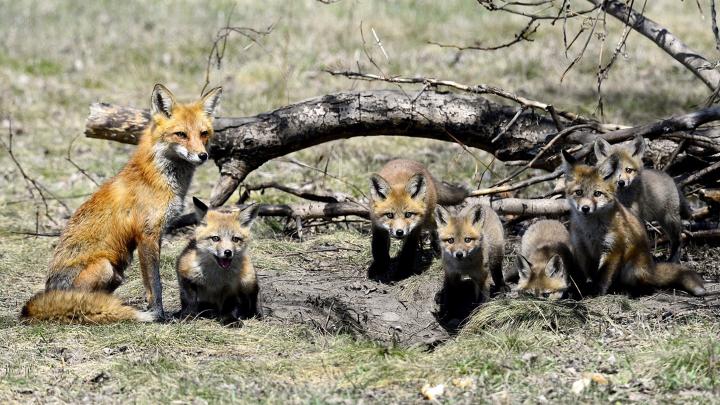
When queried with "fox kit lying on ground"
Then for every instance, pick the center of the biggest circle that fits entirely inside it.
(403, 197)
(215, 274)
(473, 245)
(609, 242)
(650, 194)
(545, 263)
(129, 211)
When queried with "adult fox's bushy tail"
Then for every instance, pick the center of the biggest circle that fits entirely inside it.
(80, 307)
(671, 275)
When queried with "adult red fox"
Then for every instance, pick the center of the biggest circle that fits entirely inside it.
(128, 212)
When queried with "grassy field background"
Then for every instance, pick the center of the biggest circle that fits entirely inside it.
(58, 57)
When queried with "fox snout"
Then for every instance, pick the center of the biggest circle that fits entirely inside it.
(196, 157)
(460, 255)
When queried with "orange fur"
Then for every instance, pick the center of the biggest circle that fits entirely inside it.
(131, 210)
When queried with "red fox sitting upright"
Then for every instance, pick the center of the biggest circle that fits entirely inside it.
(129, 211)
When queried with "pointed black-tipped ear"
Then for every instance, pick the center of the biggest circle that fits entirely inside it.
(609, 167)
(417, 186)
(555, 267)
(379, 187)
(568, 161)
(477, 214)
(211, 100)
(638, 147)
(161, 101)
(441, 215)
(247, 215)
(200, 209)
(602, 149)
(523, 266)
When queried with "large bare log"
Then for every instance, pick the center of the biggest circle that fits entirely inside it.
(244, 144)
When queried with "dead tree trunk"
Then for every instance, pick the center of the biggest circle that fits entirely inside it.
(243, 144)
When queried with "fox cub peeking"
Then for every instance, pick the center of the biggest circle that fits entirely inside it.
(403, 197)
(215, 274)
(650, 194)
(129, 211)
(473, 246)
(609, 241)
(545, 263)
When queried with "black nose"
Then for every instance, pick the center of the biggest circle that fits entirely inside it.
(459, 255)
(203, 156)
(585, 208)
(228, 253)
(399, 232)
(621, 183)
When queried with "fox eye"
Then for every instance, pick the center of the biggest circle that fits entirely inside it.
(597, 193)
(468, 240)
(578, 193)
(390, 215)
(546, 294)
(450, 240)
(181, 134)
(409, 214)
(204, 134)
(236, 239)
(215, 238)
(629, 170)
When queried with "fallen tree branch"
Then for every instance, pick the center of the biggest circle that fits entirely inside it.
(667, 41)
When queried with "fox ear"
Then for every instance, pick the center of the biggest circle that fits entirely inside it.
(211, 100)
(477, 214)
(200, 209)
(638, 147)
(441, 215)
(602, 149)
(555, 267)
(608, 168)
(568, 161)
(523, 266)
(161, 101)
(379, 187)
(247, 215)
(417, 186)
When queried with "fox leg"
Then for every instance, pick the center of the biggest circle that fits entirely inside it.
(188, 299)
(149, 255)
(97, 276)
(672, 225)
(380, 253)
(406, 257)
(608, 268)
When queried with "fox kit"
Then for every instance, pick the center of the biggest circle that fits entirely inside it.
(403, 197)
(545, 263)
(473, 245)
(650, 194)
(609, 242)
(214, 270)
(129, 211)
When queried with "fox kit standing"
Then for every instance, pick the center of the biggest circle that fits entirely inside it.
(609, 242)
(403, 197)
(214, 270)
(129, 211)
(473, 245)
(545, 263)
(650, 194)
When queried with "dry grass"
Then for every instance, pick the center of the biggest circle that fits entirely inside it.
(57, 57)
